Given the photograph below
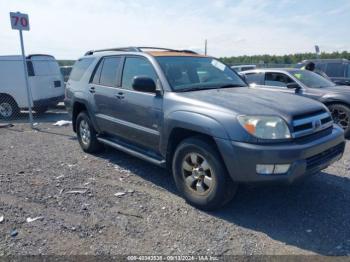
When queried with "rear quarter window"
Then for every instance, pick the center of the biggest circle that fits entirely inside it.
(79, 68)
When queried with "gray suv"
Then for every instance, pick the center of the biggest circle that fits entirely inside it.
(196, 116)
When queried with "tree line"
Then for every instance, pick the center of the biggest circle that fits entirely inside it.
(281, 59)
(259, 59)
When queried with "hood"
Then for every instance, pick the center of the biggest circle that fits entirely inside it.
(337, 89)
(248, 101)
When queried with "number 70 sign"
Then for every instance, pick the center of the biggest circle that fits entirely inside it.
(19, 21)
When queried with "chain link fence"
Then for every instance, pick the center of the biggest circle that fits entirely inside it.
(44, 96)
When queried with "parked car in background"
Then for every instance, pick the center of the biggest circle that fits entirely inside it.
(338, 70)
(241, 68)
(308, 84)
(66, 70)
(45, 82)
(196, 116)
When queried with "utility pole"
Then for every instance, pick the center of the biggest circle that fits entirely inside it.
(206, 47)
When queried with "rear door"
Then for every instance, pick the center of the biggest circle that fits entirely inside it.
(141, 113)
(105, 90)
(45, 78)
(337, 71)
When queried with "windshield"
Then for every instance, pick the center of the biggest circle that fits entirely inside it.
(185, 73)
(311, 79)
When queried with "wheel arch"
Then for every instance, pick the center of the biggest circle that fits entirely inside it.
(6, 95)
(79, 106)
(336, 102)
(181, 125)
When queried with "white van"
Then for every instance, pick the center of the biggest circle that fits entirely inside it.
(45, 81)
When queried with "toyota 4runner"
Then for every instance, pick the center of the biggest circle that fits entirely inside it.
(195, 115)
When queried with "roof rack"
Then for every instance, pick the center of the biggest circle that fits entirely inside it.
(138, 49)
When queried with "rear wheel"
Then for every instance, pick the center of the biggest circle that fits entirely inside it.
(86, 133)
(200, 175)
(8, 108)
(341, 116)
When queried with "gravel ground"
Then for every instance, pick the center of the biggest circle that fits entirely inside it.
(38, 169)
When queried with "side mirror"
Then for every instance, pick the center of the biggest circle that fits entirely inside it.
(293, 86)
(144, 84)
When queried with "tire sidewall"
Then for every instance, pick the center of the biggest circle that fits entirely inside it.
(347, 110)
(83, 116)
(14, 108)
(217, 195)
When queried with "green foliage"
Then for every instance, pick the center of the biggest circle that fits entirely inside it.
(65, 62)
(283, 59)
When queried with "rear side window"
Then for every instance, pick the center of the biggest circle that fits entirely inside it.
(348, 70)
(30, 68)
(254, 78)
(79, 68)
(109, 71)
(335, 70)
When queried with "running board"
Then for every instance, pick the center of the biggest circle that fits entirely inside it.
(132, 152)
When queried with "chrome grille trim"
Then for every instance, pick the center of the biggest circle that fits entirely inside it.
(312, 124)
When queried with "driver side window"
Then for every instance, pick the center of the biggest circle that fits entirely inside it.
(277, 80)
(137, 66)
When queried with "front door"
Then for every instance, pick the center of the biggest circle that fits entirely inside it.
(141, 114)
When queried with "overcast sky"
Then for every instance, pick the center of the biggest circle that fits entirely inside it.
(68, 28)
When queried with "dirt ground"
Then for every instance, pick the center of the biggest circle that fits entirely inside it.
(39, 169)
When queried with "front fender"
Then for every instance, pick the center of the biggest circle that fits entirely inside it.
(335, 98)
(191, 121)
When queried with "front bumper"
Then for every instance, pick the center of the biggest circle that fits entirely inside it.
(305, 157)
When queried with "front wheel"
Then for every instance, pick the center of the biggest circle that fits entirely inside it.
(341, 116)
(86, 133)
(200, 174)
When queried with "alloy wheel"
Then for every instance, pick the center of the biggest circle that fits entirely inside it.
(84, 131)
(340, 117)
(197, 173)
(6, 109)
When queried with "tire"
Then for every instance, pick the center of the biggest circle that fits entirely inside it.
(8, 108)
(86, 133)
(200, 174)
(341, 116)
(41, 110)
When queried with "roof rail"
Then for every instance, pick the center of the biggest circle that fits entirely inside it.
(123, 49)
(138, 49)
(166, 49)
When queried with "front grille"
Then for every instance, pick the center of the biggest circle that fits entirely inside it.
(325, 156)
(310, 123)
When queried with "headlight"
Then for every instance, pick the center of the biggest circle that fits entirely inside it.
(265, 127)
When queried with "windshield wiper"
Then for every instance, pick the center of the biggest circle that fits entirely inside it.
(211, 87)
(230, 85)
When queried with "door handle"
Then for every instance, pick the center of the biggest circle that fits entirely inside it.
(92, 90)
(120, 95)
